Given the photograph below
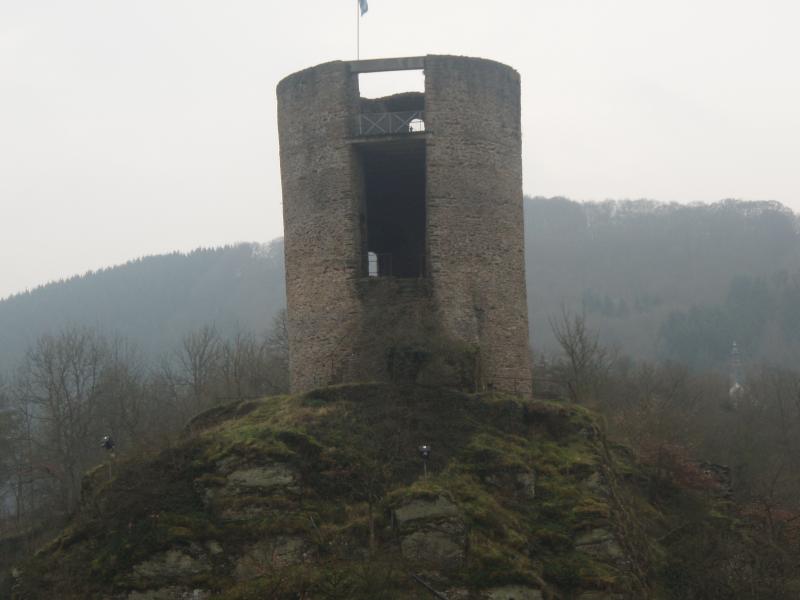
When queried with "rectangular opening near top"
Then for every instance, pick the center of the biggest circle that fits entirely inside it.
(382, 85)
(393, 208)
(391, 103)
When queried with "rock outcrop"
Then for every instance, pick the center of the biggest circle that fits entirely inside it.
(324, 496)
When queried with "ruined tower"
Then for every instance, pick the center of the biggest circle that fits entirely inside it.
(403, 226)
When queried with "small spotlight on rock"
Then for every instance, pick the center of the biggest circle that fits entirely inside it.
(425, 451)
(107, 443)
(425, 454)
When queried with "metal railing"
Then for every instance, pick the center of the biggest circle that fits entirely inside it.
(390, 123)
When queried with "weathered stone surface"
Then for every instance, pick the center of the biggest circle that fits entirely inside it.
(170, 593)
(425, 510)
(434, 548)
(271, 554)
(265, 477)
(245, 513)
(597, 595)
(473, 289)
(595, 483)
(432, 532)
(457, 594)
(224, 465)
(214, 547)
(257, 481)
(172, 564)
(599, 542)
(474, 212)
(594, 536)
(522, 484)
(513, 592)
(527, 484)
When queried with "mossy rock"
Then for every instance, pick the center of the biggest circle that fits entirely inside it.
(324, 495)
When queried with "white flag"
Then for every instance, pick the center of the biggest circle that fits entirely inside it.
(364, 6)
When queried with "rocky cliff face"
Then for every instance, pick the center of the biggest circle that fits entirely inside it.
(323, 496)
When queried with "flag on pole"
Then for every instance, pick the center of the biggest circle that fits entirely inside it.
(363, 6)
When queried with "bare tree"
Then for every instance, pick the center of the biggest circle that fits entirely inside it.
(57, 395)
(243, 367)
(8, 429)
(122, 403)
(765, 445)
(198, 365)
(251, 368)
(277, 353)
(278, 336)
(586, 360)
(166, 403)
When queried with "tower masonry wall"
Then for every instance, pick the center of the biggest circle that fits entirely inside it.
(321, 219)
(475, 221)
(346, 326)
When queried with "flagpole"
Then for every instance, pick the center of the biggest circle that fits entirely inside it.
(358, 30)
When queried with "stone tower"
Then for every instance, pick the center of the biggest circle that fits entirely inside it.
(403, 226)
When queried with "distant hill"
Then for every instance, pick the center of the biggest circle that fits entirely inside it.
(154, 301)
(669, 280)
(659, 280)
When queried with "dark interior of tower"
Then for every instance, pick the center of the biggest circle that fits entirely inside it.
(394, 207)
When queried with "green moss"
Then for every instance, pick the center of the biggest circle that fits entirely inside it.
(353, 452)
(488, 453)
(250, 442)
(567, 571)
(551, 538)
(375, 578)
(492, 563)
(591, 509)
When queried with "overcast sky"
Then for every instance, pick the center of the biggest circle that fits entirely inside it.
(134, 127)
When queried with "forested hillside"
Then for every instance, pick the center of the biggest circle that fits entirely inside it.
(658, 280)
(154, 301)
(668, 280)
(701, 501)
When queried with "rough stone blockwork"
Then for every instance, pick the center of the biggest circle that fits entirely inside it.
(462, 320)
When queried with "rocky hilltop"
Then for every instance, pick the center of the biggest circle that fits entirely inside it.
(324, 496)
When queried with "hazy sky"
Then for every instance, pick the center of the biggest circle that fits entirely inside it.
(133, 127)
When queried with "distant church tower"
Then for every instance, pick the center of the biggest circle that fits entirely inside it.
(403, 226)
(736, 390)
